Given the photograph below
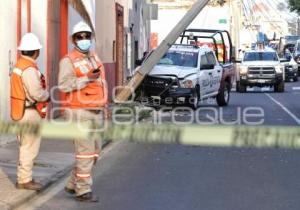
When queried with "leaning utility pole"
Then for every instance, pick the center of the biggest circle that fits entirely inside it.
(153, 59)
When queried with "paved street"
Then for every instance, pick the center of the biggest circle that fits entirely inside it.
(169, 177)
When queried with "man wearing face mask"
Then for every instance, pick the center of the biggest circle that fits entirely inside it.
(82, 79)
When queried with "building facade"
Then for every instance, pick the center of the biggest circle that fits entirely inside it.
(122, 35)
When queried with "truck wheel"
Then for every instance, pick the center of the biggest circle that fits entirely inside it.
(224, 95)
(279, 87)
(295, 79)
(241, 88)
(194, 100)
(237, 86)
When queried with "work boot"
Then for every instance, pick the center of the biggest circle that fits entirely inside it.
(32, 185)
(87, 197)
(70, 191)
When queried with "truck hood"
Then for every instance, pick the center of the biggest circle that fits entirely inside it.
(260, 63)
(168, 70)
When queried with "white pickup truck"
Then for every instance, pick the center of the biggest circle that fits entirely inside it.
(190, 71)
(187, 74)
(261, 67)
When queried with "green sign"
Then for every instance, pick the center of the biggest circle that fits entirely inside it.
(222, 21)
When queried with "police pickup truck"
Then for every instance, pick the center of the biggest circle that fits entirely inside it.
(260, 67)
(189, 73)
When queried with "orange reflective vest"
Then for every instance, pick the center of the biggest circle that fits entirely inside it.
(95, 93)
(17, 91)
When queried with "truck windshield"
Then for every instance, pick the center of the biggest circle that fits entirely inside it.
(180, 58)
(292, 38)
(260, 56)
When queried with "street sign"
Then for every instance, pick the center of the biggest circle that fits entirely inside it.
(222, 21)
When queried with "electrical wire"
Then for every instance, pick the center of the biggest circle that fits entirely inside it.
(267, 17)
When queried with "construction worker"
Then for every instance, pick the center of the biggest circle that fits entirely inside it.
(82, 78)
(28, 92)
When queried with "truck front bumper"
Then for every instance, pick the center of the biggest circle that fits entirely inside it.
(260, 82)
(168, 92)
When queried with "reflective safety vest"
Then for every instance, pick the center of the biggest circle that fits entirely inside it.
(95, 93)
(17, 91)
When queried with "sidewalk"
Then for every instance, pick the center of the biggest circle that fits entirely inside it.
(54, 161)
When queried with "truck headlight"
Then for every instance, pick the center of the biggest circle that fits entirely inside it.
(279, 69)
(295, 67)
(297, 59)
(187, 84)
(243, 69)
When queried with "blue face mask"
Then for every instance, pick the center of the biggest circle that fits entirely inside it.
(84, 45)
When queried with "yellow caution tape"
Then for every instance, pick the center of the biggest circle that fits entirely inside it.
(195, 135)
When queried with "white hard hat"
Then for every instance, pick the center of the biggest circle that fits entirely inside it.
(29, 42)
(81, 27)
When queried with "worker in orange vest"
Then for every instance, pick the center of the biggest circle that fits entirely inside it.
(28, 103)
(82, 78)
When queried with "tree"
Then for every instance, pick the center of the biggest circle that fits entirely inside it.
(294, 6)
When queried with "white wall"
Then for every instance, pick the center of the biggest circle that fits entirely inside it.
(105, 29)
(167, 19)
(39, 27)
(8, 50)
(8, 20)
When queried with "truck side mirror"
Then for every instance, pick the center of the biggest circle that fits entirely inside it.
(284, 60)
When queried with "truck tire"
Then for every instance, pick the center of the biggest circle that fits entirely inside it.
(237, 86)
(194, 100)
(295, 79)
(279, 87)
(224, 95)
(241, 88)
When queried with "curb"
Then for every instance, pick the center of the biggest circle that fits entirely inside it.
(31, 194)
(46, 185)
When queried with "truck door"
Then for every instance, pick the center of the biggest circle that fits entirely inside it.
(216, 72)
(205, 76)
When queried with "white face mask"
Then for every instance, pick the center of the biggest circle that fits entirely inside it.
(84, 44)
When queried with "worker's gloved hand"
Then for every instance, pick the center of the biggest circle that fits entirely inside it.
(93, 75)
